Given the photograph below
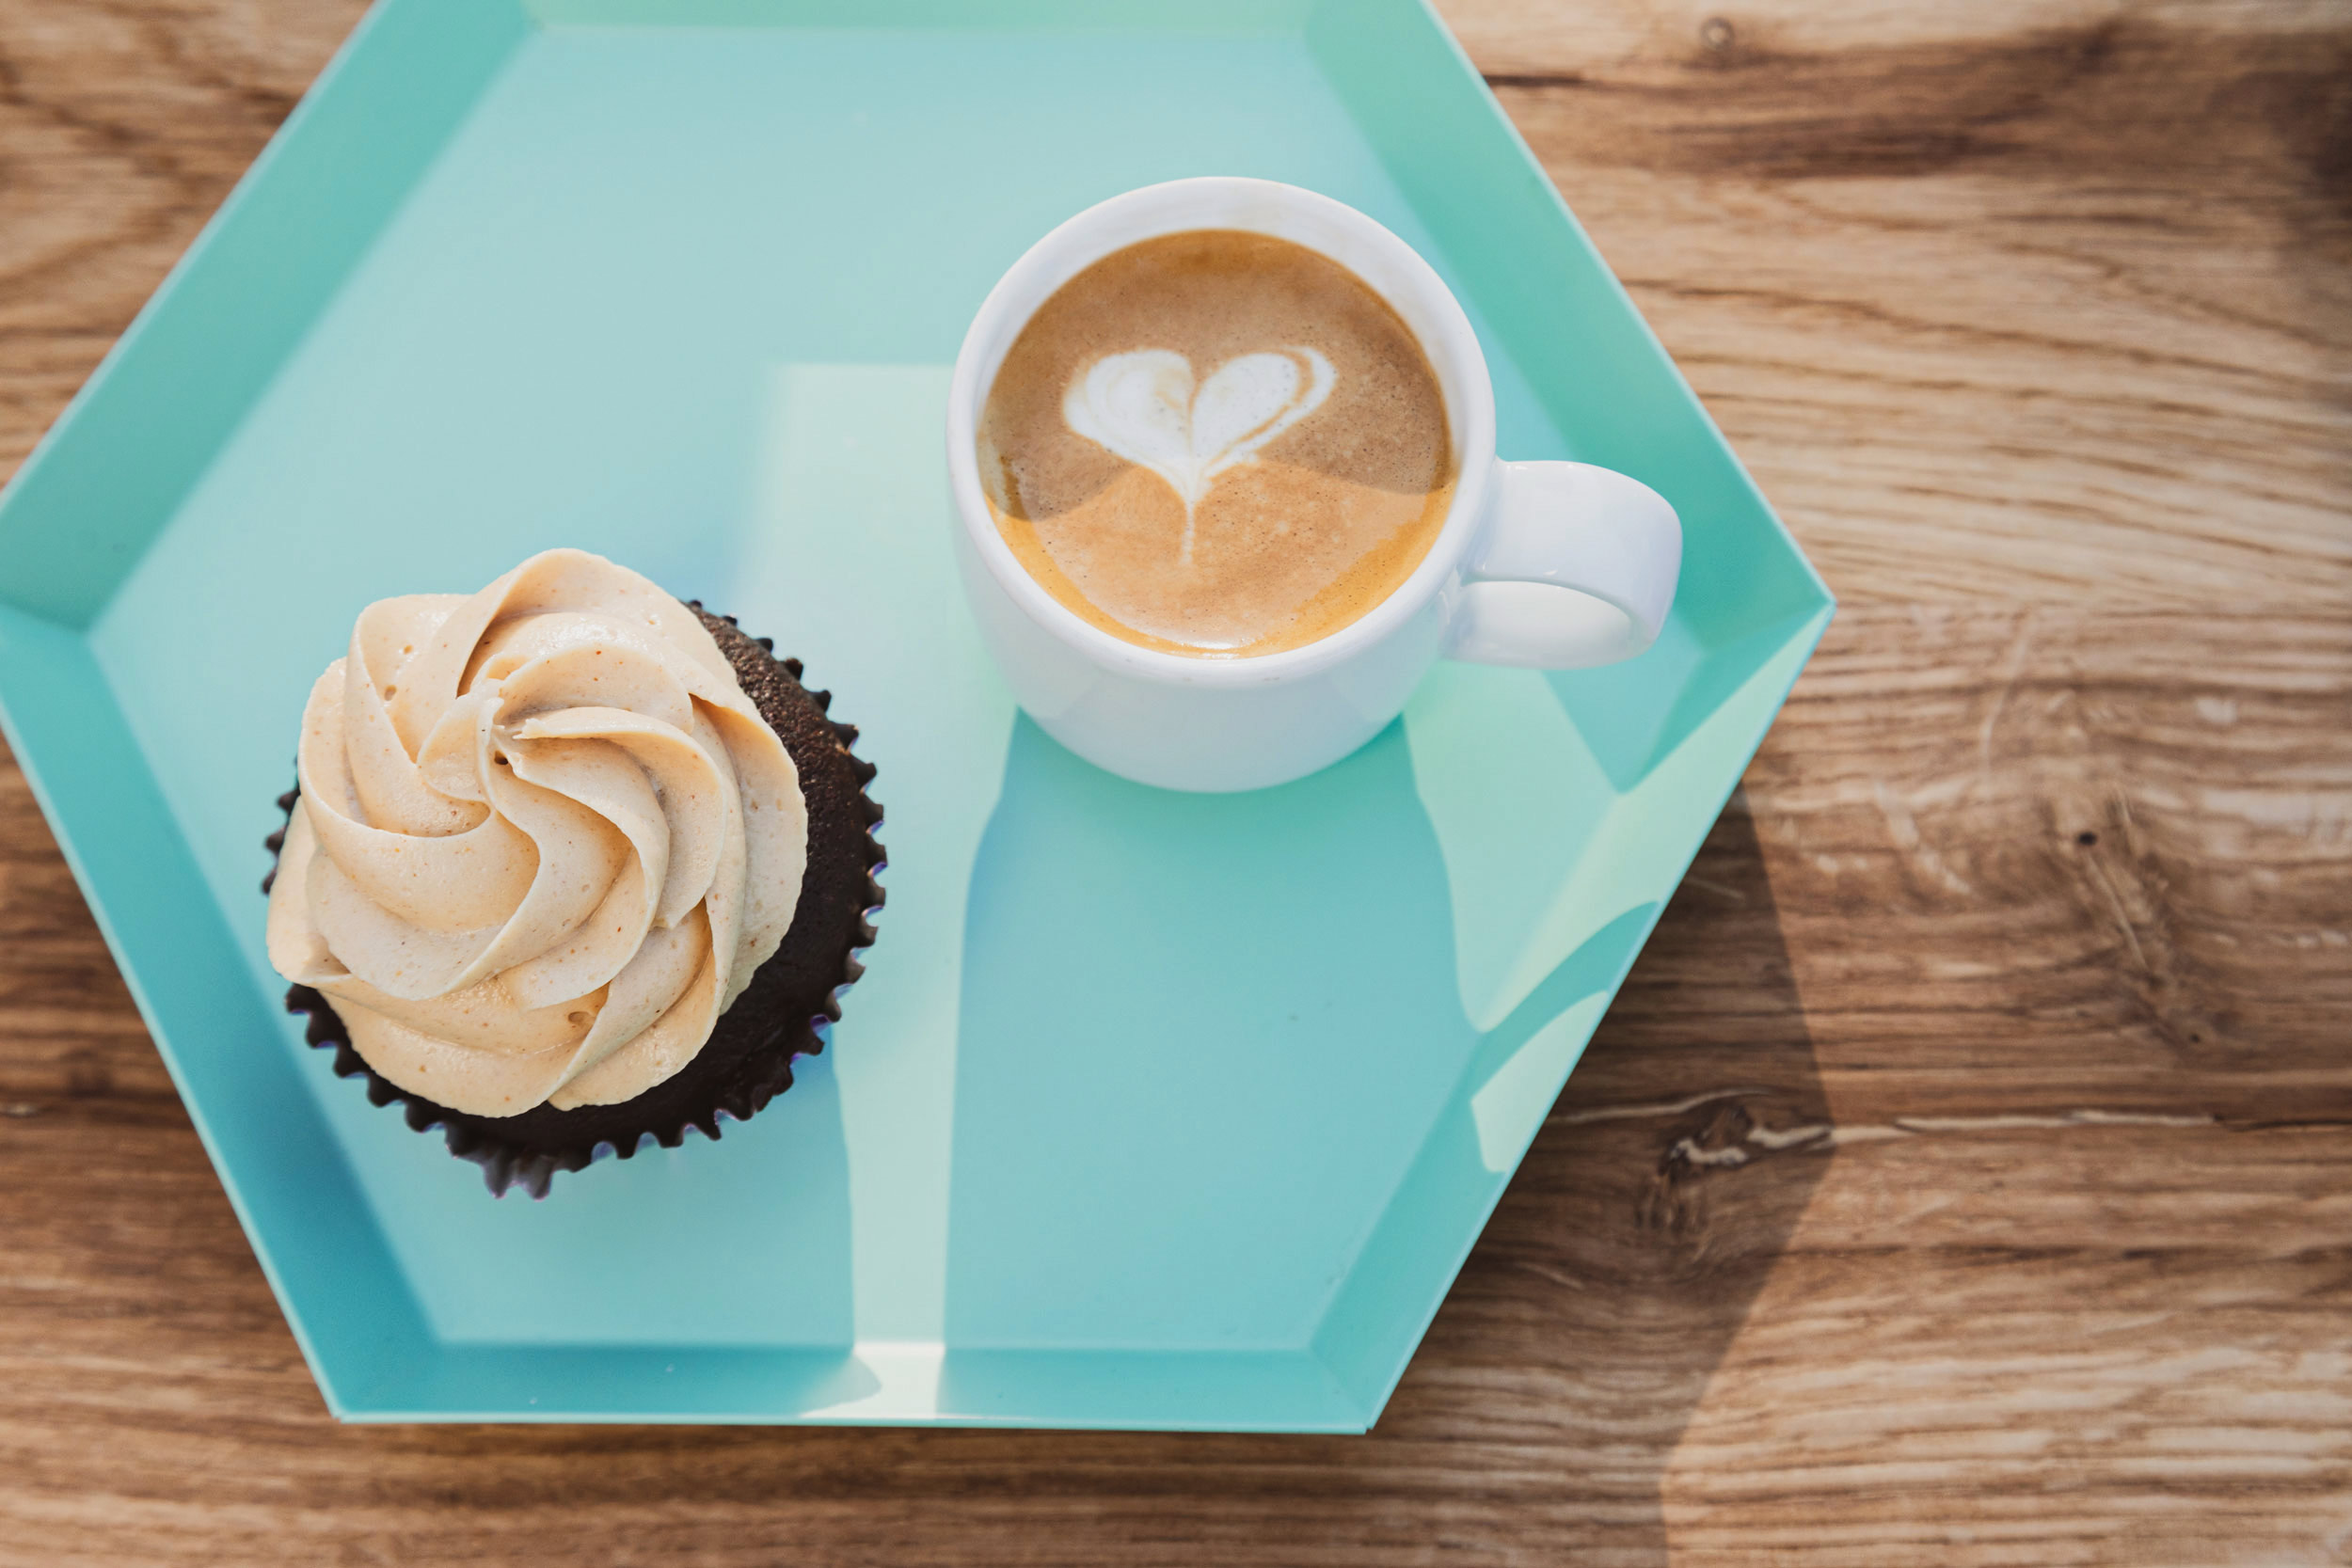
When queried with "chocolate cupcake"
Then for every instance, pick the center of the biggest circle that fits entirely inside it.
(570, 866)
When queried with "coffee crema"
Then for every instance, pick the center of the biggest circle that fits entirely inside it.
(1217, 443)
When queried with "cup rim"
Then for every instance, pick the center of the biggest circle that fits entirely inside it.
(1086, 238)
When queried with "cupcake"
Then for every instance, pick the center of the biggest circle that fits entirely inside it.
(569, 866)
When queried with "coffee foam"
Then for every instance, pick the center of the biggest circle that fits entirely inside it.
(1217, 443)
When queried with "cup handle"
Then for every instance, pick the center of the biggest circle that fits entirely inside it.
(1575, 566)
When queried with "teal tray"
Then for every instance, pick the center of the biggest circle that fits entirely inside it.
(1152, 1110)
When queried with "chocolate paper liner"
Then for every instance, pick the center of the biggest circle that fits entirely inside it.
(787, 1010)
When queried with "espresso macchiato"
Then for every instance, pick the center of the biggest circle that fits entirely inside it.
(1217, 443)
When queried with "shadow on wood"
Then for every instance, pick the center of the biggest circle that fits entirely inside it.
(1628, 1250)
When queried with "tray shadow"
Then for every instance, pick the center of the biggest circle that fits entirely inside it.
(1644, 1223)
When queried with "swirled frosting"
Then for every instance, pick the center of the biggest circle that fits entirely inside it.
(542, 841)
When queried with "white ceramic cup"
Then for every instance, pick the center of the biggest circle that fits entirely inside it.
(1554, 566)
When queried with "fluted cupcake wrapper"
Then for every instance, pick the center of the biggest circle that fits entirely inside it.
(788, 1011)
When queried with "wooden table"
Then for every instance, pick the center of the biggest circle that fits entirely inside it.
(1962, 1177)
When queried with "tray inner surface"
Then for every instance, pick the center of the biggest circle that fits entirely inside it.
(1151, 1109)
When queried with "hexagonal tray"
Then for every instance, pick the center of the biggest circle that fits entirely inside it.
(1152, 1110)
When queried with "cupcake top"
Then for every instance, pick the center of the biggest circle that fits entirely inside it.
(542, 841)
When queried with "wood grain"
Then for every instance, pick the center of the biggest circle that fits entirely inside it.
(1965, 1175)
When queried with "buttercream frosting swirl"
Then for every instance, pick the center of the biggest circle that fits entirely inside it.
(543, 840)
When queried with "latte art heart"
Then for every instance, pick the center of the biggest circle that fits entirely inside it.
(1145, 407)
(1174, 374)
